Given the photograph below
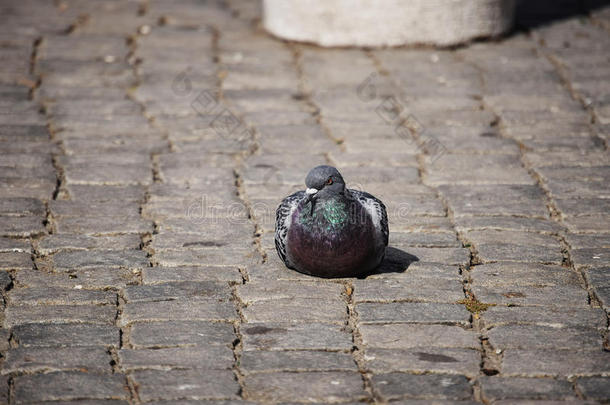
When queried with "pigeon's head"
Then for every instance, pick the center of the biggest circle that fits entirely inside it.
(324, 180)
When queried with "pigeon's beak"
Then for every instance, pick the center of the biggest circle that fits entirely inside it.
(311, 197)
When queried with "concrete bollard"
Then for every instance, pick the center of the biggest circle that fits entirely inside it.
(387, 22)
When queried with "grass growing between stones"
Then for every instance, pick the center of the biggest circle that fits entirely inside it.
(475, 306)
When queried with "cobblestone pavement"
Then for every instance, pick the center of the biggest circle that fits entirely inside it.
(144, 148)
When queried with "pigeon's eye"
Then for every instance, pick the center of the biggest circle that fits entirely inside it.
(329, 181)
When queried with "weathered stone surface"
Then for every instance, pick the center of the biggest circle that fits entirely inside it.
(206, 357)
(543, 337)
(195, 309)
(414, 386)
(21, 227)
(14, 245)
(15, 260)
(561, 317)
(133, 259)
(496, 388)
(66, 334)
(553, 362)
(424, 359)
(56, 242)
(16, 315)
(253, 292)
(405, 336)
(536, 295)
(523, 274)
(318, 386)
(35, 359)
(412, 312)
(60, 296)
(296, 310)
(159, 275)
(89, 278)
(295, 336)
(258, 361)
(174, 291)
(424, 289)
(594, 387)
(489, 252)
(172, 333)
(71, 385)
(195, 384)
(103, 225)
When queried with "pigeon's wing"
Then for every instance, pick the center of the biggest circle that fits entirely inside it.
(282, 222)
(376, 210)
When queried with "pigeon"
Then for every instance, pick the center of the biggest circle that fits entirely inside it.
(329, 230)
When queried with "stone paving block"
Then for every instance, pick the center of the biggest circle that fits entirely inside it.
(200, 357)
(195, 309)
(56, 242)
(21, 206)
(173, 333)
(489, 252)
(415, 271)
(259, 361)
(16, 315)
(21, 227)
(536, 295)
(412, 312)
(71, 385)
(132, 259)
(14, 245)
(314, 386)
(65, 334)
(378, 158)
(425, 290)
(478, 169)
(553, 362)
(295, 336)
(511, 274)
(588, 241)
(103, 225)
(193, 241)
(487, 236)
(559, 317)
(599, 280)
(60, 296)
(416, 386)
(424, 239)
(296, 310)
(91, 193)
(597, 224)
(440, 255)
(594, 387)
(91, 278)
(516, 200)
(507, 223)
(406, 336)
(585, 206)
(591, 257)
(194, 384)
(205, 257)
(543, 337)
(544, 159)
(498, 388)
(175, 291)
(15, 260)
(253, 292)
(65, 208)
(216, 228)
(424, 360)
(44, 359)
(158, 275)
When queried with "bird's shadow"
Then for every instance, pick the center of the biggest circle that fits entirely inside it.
(395, 261)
